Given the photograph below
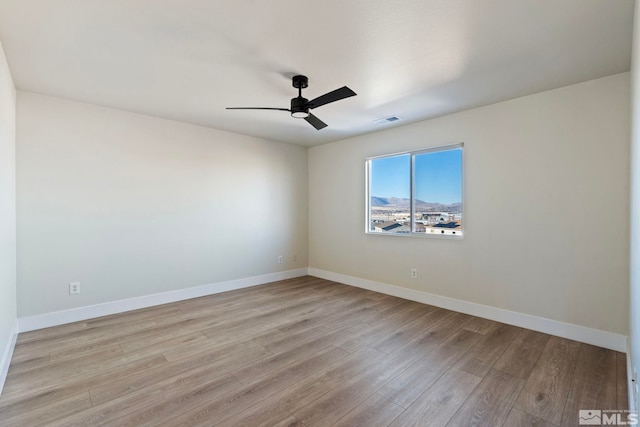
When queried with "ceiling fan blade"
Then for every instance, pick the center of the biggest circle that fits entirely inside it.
(256, 108)
(336, 95)
(315, 122)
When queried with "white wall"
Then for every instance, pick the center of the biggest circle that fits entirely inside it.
(130, 205)
(634, 297)
(546, 207)
(7, 214)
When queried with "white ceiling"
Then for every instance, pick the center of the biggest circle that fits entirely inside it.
(415, 59)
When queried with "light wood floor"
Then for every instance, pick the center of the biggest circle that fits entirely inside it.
(305, 352)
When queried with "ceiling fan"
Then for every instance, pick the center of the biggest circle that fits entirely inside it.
(300, 106)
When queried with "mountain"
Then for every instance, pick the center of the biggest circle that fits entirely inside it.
(379, 201)
(402, 203)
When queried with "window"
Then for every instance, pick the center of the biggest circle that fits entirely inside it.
(416, 193)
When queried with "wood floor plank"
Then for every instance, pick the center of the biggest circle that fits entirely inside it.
(303, 352)
(376, 410)
(39, 334)
(270, 364)
(206, 345)
(360, 310)
(381, 330)
(479, 325)
(622, 397)
(192, 398)
(196, 382)
(166, 341)
(490, 402)
(597, 365)
(517, 418)
(362, 340)
(482, 356)
(319, 336)
(137, 316)
(81, 338)
(411, 330)
(521, 355)
(217, 410)
(586, 395)
(411, 383)
(290, 421)
(44, 415)
(85, 351)
(223, 363)
(392, 307)
(438, 404)
(261, 321)
(65, 373)
(545, 392)
(440, 332)
(38, 397)
(340, 400)
(26, 365)
(271, 411)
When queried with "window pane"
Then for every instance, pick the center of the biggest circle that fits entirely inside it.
(438, 192)
(389, 190)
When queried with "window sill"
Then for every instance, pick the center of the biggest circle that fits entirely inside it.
(420, 235)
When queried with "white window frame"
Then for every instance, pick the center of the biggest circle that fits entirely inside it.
(412, 155)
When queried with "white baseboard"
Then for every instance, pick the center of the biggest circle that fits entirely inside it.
(7, 354)
(570, 331)
(56, 318)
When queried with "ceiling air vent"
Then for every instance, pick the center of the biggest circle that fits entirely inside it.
(386, 120)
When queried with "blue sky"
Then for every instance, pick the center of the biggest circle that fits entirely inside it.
(438, 176)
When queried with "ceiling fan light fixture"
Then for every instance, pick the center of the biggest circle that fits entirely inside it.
(299, 108)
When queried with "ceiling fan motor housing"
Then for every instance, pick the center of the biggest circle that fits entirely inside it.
(299, 109)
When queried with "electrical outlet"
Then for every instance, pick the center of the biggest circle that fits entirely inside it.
(414, 273)
(294, 258)
(74, 288)
(280, 259)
